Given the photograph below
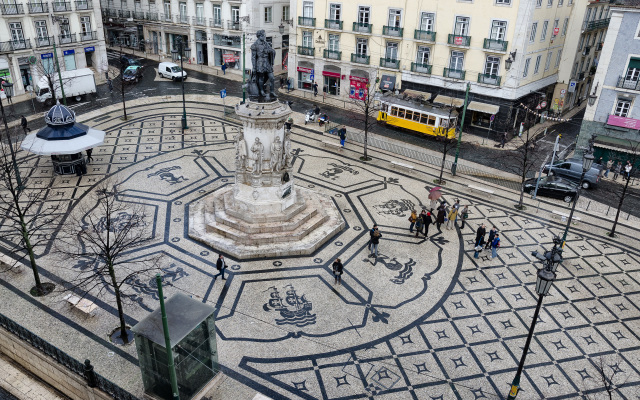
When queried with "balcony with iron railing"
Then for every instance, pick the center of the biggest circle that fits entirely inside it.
(333, 24)
(201, 21)
(124, 14)
(586, 50)
(37, 8)
(306, 51)
(11, 9)
(581, 76)
(61, 6)
(394, 31)
(227, 41)
(84, 5)
(459, 40)
(182, 18)
(306, 21)
(454, 73)
(599, 46)
(86, 36)
(44, 41)
(597, 24)
(234, 25)
(13, 45)
(427, 36)
(362, 27)
(152, 16)
(332, 54)
(489, 79)
(215, 23)
(495, 45)
(360, 58)
(389, 63)
(67, 38)
(631, 84)
(166, 17)
(421, 68)
(139, 15)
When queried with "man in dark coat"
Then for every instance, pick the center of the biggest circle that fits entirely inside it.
(440, 217)
(221, 266)
(426, 221)
(375, 226)
(492, 235)
(482, 230)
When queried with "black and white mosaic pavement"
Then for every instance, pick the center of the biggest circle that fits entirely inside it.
(424, 321)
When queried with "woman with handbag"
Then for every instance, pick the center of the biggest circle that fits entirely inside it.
(412, 220)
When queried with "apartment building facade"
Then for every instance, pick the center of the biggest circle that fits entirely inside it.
(508, 50)
(29, 31)
(212, 29)
(589, 18)
(613, 109)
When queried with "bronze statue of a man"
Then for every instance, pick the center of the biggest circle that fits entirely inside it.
(262, 58)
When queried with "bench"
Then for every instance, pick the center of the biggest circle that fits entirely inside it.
(566, 216)
(399, 164)
(480, 189)
(8, 262)
(85, 306)
(332, 143)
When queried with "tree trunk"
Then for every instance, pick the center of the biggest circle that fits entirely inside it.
(444, 157)
(615, 221)
(116, 290)
(32, 258)
(366, 131)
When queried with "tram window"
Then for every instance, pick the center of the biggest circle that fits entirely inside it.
(424, 118)
(432, 120)
(401, 112)
(444, 122)
(385, 107)
(394, 111)
(416, 116)
(409, 115)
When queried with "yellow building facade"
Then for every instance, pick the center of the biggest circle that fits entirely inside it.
(508, 51)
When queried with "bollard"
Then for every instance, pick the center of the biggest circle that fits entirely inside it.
(89, 374)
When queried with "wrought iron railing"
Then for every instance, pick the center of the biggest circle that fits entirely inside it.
(489, 79)
(61, 6)
(495, 44)
(12, 45)
(44, 41)
(86, 36)
(83, 5)
(597, 24)
(332, 54)
(454, 73)
(62, 358)
(306, 51)
(392, 30)
(202, 21)
(333, 24)
(362, 27)
(459, 40)
(67, 38)
(359, 58)
(632, 84)
(428, 36)
(306, 21)
(215, 23)
(421, 68)
(138, 15)
(389, 63)
(12, 9)
(35, 8)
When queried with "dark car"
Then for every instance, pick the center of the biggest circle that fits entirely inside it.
(128, 61)
(553, 186)
(132, 74)
(572, 169)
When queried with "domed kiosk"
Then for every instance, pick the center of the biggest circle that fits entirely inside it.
(63, 139)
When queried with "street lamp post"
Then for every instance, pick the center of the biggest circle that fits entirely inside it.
(587, 162)
(546, 276)
(182, 52)
(8, 91)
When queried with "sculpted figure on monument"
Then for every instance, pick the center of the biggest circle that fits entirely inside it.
(241, 152)
(262, 58)
(286, 154)
(276, 154)
(258, 153)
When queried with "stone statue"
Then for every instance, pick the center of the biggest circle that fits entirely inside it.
(258, 153)
(286, 154)
(276, 154)
(262, 58)
(241, 152)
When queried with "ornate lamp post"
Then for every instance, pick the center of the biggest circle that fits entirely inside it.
(587, 162)
(181, 52)
(8, 91)
(546, 275)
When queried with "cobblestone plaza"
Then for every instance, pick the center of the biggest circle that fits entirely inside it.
(425, 320)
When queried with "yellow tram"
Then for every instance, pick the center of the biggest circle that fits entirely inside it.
(409, 113)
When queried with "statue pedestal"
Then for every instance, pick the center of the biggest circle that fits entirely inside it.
(264, 214)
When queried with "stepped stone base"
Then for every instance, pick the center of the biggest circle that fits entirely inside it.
(227, 226)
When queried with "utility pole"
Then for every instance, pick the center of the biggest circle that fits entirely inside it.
(454, 166)
(167, 342)
(553, 157)
(55, 57)
(244, 69)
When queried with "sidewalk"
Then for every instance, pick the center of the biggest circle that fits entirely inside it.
(24, 386)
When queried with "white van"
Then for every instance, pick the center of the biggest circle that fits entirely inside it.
(171, 71)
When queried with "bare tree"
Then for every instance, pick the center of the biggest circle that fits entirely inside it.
(366, 113)
(24, 217)
(49, 71)
(634, 149)
(442, 134)
(609, 376)
(98, 236)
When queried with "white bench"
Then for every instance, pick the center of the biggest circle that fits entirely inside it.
(85, 306)
(399, 164)
(480, 189)
(8, 262)
(332, 143)
(566, 216)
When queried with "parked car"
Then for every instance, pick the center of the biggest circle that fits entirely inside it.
(553, 186)
(572, 169)
(171, 71)
(132, 74)
(128, 61)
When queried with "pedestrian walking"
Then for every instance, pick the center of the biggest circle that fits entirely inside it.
(492, 235)
(433, 205)
(412, 220)
(427, 220)
(89, 158)
(456, 205)
(224, 68)
(419, 224)
(110, 83)
(480, 233)
(371, 236)
(289, 85)
(281, 82)
(221, 266)
(609, 165)
(440, 217)
(375, 241)
(453, 214)
(503, 139)
(24, 123)
(315, 89)
(465, 215)
(337, 271)
(495, 243)
(617, 170)
(343, 135)
(627, 170)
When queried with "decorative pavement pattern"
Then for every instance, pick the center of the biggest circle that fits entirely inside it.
(424, 321)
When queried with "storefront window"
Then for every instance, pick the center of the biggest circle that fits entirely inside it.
(305, 80)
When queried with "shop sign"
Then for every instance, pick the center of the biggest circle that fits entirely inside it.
(89, 49)
(69, 52)
(44, 56)
(387, 82)
(358, 79)
(332, 74)
(230, 57)
(458, 40)
(306, 70)
(623, 122)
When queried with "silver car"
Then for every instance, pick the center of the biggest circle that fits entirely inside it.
(572, 169)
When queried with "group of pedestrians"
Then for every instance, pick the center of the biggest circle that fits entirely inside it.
(492, 243)
(617, 168)
(443, 215)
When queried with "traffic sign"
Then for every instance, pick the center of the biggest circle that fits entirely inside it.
(493, 116)
(543, 104)
(223, 93)
(563, 91)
